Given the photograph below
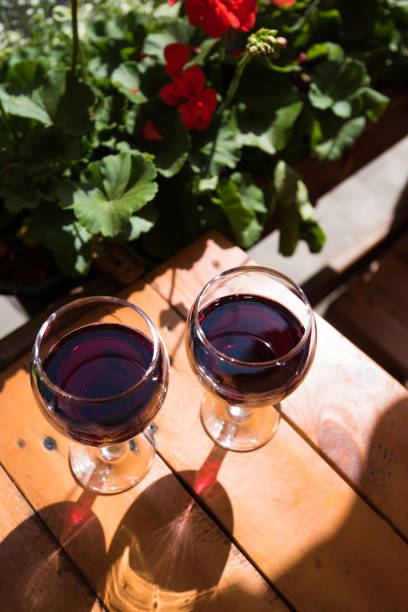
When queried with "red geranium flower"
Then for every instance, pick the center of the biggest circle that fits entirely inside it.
(198, 111)
(176, 56)
(217, 16)
(187, 91)
(281, 3)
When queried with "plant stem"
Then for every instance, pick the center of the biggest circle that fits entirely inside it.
(234, 83)
(75, 38)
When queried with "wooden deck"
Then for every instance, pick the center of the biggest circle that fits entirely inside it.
(373, 310)
(313, 521)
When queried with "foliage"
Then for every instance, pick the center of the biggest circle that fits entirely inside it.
(131, 138)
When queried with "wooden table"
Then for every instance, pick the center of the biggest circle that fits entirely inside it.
(315, 520)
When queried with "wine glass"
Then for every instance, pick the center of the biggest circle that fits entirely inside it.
(99, 372)
(250, 339)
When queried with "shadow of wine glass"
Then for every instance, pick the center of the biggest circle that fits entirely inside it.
(167, 554)
(33, 565)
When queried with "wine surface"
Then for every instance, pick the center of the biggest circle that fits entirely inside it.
(255, 334)
(98, 365)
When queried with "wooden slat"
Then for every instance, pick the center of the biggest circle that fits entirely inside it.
(152, 546)
(348, 407)
(319, 532)
(373, 311)
(177, 279)
(35, 573)
(297, 519)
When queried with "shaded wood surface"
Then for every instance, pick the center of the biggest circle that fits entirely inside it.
(373, 311)
(208, 529)
(35, 573)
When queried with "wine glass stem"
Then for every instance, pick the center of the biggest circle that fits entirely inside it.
(113, 452)
(239, 414)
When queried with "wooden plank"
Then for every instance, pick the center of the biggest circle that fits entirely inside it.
(348, 407)
(152, 546)
(35, 573)
(373, 311)
(177, 279)
(318, 541)
(297, 519)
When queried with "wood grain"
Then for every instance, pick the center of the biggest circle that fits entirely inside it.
(177, 279)
(297, 519)
(152, 546)
(348, 407)
(35, 573)
(292, 514)
(373, 310)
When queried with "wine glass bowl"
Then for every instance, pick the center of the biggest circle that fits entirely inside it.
(99, 373)
(250, 339)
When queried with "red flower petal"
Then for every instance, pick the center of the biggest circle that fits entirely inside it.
(281, 3)
(217, 16)
(176, 56)
(197, 112)
(170, 94)
(171, 2)
(191, 83)
(150, 131)
(237, 52)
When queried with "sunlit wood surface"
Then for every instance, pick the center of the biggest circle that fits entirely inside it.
(315, 520)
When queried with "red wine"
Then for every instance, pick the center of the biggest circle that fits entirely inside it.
(256, 334)
(98, 365)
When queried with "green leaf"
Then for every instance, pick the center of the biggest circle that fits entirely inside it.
(178, 30)
(207, 184)
(59, 231)
(72, 113)
(313, 235)
(244, 223)
(23, 106)
(252, 197)
(213, 151)
(285, 181)
(264, 91)
(339, 137)
(374, 103)
(333, 51)
(22, 77)
(342, 108)
(50, 144)
(170, 153)
(281, 128)
(143, 222)
(120, 186)
(295, 212)
(51, 91)
(126, 78)
(270, 136)
(337, 82)
(18, 188)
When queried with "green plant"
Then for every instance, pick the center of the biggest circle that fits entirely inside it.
(123, 122)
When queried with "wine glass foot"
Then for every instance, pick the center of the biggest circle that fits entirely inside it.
(238, 428)
(113, 469)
